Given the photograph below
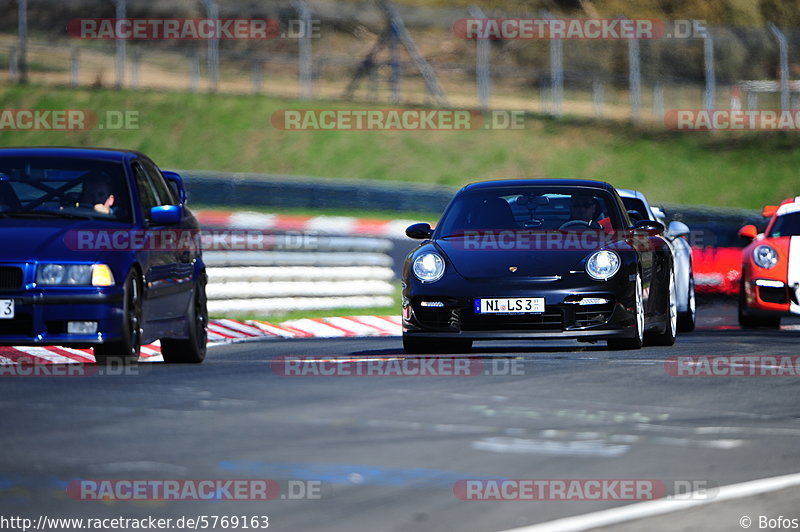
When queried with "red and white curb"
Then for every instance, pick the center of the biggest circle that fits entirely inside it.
(224, 331)
(339, 225)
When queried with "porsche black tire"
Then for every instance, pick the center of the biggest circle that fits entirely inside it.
(619, 344)
(688, 320)
(667, 337)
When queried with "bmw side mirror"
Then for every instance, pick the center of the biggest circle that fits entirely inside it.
(677, 229)
(175, 182)
(649, 226)
(420, 231)
(165, 215)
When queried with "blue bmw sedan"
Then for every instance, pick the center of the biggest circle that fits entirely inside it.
(98, 249)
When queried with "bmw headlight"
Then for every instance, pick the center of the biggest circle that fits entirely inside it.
(765, 257)
(603, 265)
(428, 267)
(74, 275)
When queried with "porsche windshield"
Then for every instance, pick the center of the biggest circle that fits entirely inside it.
(531, 209)
(58, 187)
(635, 204)
(786, 225)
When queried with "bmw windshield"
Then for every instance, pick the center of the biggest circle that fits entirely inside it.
(63, 187)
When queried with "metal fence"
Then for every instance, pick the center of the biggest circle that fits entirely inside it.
(376, 52)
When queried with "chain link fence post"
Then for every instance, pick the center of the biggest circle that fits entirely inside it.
(75, 67)
(658, 101)
(120, 44)
(13, 62)
(598, 97)
(394, 54)
(752, 100)
(556, 72)
(194, 73)
(711, 80)
(257, 76)
(304, 57)
(635, 80)
(136, 66)
(784, 61)
(22, 57)
(482, 66)
(212, 12)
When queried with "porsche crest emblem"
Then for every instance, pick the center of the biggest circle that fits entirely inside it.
(512, 269)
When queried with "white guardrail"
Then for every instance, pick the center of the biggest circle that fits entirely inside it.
(320, 274)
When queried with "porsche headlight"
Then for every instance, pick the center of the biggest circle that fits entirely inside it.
(765, 257)
(603, 265)
(74, 275)
(428, 267)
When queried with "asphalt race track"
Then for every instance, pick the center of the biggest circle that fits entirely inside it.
(385, 452)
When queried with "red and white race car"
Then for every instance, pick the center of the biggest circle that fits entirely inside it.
(771, 268)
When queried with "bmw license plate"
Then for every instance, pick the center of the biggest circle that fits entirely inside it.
(510, 305)
(6, 309)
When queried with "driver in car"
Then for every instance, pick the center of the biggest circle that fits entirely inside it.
(585, 208)
(97, 193)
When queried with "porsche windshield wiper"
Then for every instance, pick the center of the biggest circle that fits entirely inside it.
(39, 214)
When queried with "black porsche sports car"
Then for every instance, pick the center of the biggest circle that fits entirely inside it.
(537, 259)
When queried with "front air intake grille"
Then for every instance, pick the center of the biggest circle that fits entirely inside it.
(769, 294)
(21, 325)
(10, 278)
(551, 319)
(586, 316)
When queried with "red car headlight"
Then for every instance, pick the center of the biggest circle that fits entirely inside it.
(765, 257)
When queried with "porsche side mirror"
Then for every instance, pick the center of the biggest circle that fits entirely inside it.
(677, 229)
(769, 211)
(419, 231)
(635, 216)
(749, 232)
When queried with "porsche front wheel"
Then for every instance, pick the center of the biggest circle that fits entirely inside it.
(638, 338)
